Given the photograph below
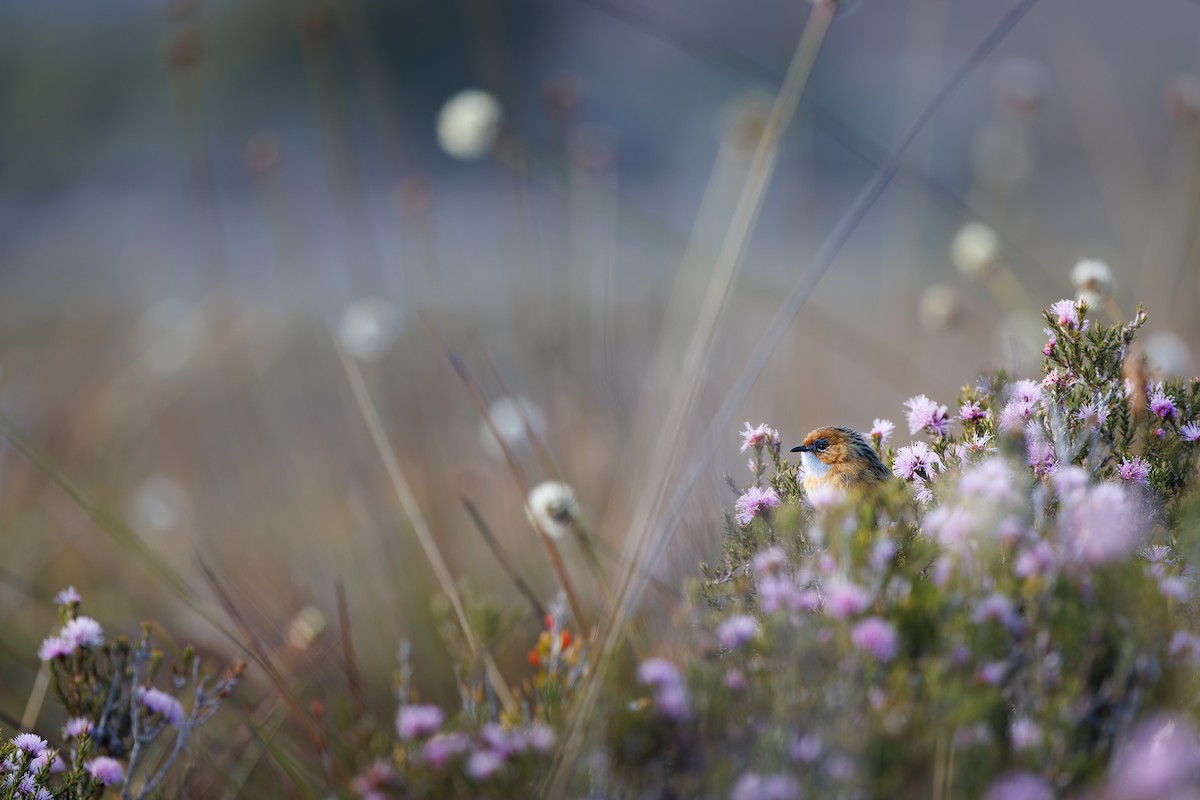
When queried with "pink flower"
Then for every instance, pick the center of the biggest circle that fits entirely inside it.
(736, 631)
(1100, 527)
(1190, 432)
(1039, 451)
(1020, 786)
(755, 502)
(55, 647)
(1025, 734)
(83, 632)
(444, 746)
(881, 432)
(971, 412)
(415, 722)
(164, 705)
(1135, 470)
(991, 480)
(877, 637)
(925, 414)
(68, 597)
(844, 599)
(1051, 343)
(76, 727)
(105, 770)
(658, 672)
(670, 695)
(917, 460)
(29, 743)
(1162, 403)
(735, 680)
(758, 437)
(752, 786)
(1090, 416)
(1066, 314)
(769, 561)
(922, 491)
(1160, 756)
(483, 764)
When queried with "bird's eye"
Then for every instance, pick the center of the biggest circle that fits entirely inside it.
(821, 445)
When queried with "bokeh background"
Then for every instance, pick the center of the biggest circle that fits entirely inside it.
(202, 203)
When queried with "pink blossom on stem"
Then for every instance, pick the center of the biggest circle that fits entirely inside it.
(925, 415)
(758, 437)
(1066, 314)
(881, 431)
(754, 503)
(1135, 470)
(876, 637)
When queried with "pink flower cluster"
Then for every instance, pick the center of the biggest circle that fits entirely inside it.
(755, 502)
(926, 415)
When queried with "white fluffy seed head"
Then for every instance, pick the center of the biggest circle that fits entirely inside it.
(1093, 280)
(469, 123)
(975, 249)
(368, 327)
(940, 309)
(552, 508)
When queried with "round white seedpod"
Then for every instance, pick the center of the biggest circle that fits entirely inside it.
(1169, 356)
(941, 308)
(552, 508)
(306, 627)
(469, 123)
(159, 507)
(975, 249)
(1093, 281)
(510, 416)
(368, 327)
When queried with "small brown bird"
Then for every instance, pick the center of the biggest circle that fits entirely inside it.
(839, 458)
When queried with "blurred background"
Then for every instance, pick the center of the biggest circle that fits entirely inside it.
(214, 216)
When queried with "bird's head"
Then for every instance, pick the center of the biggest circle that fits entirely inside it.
(834, 448)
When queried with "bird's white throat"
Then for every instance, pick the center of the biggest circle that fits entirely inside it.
(813, 466)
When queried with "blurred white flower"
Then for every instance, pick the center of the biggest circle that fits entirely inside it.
(159, 506)
(552, 508)
(168, 334)
(468, 124)
(941, 308)
(1169, 356)
(1093, 281)
(368, 327)
(510, 415)
(306, 627)
(974, 249)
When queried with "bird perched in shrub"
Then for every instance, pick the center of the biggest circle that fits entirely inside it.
(839, 458)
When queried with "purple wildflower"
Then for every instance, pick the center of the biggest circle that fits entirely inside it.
(769, 561)
(658, 672)
(46, 758)
(1190, 432)
(917, 460)
(29, 743)
(105, 770)
(1066, 314)
(1160, 756)
(735, 680)
(444, 746)
(924, 414)
(752, 786)
(1039, 450)
(1020, 786)
(806, 749)
(844, 599)
(1162, 403)
(877, 637)
(541, 737)
(164, 705)
(992, 480)
(1090, 416)
(55, 647)
(1135, 470)
(995, 607)
(757, 437)
(670, 695)
(76, 727)
(83, 632)
(483, 764)
(1051, 343)
(736, 631)
(754, 502)
(1025, 734)
(881, 431)
(992, 672)
(68, 597)
(971, 412)
(414, 722)
(922, 491)
(1101, 526)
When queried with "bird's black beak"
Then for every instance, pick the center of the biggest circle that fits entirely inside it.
(800, 448)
